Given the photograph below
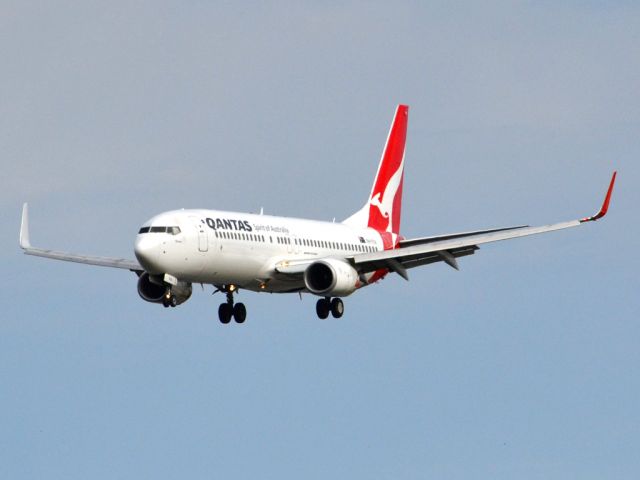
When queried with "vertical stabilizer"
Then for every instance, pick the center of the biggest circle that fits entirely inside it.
(383, 208)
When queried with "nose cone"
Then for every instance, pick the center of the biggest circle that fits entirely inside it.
(147, 250)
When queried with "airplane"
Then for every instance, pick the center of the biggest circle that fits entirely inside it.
(263, 253)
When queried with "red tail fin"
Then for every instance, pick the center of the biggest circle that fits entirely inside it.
(383, 209)
(385, 201)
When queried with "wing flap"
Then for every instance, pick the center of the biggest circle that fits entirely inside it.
(412, 259)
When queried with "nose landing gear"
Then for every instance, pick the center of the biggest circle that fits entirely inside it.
(228, 310)
(169, 300)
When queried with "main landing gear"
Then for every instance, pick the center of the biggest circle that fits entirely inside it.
(326, 305)
(227, 310)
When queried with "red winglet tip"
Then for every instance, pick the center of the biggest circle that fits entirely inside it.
(607, 199)
(605, 204)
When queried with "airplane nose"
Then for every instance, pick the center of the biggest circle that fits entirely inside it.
(147, 249)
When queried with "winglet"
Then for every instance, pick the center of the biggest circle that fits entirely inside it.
(24, 228)
(605, 204)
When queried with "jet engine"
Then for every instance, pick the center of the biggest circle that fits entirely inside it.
(331, 278)
(152, 289)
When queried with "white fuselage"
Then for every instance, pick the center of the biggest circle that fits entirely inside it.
(231, 248)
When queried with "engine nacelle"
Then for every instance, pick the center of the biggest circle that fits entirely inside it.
(331, 277)
(153, 289)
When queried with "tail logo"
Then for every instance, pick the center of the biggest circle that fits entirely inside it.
(385, 201)
(382, 203)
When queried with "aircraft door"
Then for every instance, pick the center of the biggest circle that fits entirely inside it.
(203, 237)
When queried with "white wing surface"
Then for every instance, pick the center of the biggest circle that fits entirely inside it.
(446, 248)
(25, 244)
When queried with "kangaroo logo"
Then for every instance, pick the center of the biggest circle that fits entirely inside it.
(383, 202)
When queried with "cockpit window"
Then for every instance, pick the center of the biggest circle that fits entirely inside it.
(169, 230)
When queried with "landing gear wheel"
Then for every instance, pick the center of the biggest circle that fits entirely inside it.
(165, 302)
(337, 308)
(239, 312)
(224, 313)
(322, 308)
(173, 301)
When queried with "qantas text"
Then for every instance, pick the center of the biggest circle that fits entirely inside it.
(228, 224)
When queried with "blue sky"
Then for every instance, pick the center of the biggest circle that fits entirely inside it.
(521, 365)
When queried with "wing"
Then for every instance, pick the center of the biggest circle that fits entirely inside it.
(415, 252)
(25, 244)
(446, 248)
